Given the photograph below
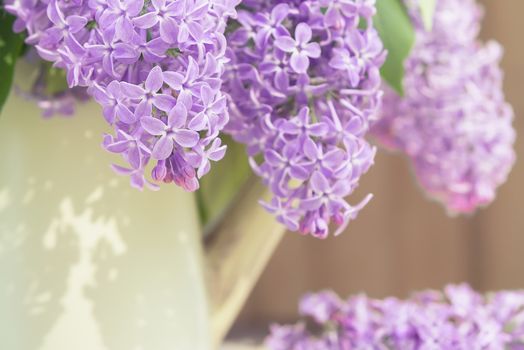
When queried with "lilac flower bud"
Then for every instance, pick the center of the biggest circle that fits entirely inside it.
(453, 122)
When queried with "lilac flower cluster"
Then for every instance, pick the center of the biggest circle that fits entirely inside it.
(304, 85)
(155, 66)
(453, 122)
(459, 318)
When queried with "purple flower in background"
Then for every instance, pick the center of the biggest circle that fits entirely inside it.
(459, 318)
(453, 122)
(301, 112)
(155, 67)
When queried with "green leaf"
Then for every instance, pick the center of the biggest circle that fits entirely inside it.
(219, 188)
(11, 45)
(397, 34)
(427, 10)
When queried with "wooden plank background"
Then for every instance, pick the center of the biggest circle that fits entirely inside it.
(402, 241)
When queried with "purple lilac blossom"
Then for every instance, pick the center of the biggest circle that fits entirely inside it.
(458, 318)
(453, 122)
(155, 66)
(303, 85)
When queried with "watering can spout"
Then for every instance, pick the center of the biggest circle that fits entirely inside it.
(236, 253)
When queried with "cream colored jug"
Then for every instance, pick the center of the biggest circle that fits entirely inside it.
(89, 263)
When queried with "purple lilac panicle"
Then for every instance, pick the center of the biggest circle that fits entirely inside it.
(453, 122)
(155, 66)
(458, 318)
(304, 84)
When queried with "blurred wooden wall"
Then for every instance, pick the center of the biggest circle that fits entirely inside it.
(402, 241)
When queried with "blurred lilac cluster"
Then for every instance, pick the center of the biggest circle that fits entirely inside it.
(48, 90)
(155, 66)
(304, 85)
(459, 318)
(453, 122)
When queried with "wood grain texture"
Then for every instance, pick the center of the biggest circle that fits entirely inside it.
(402, 241)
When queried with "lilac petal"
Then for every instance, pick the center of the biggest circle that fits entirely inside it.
(267, 67)
(146, 21)
(114, 88)
(290, 223)
(312, 203)
(174, 80)
(144, 108)
(219, 105)
(196, 31)
(109, 114)
(154, 80)
(164, 102)
(101, 96)
(134, 158)
(183, 33)
(289, 127)
(108, 65)
(121, 170)
(186, 138)
(206, 94)
(299, 62)
(356, 41)
(273, 158)
(138, 180)
(204, 168)
(159, 4)
(332, 17)
(126, 52)
(311, 150)
(333, 158)
(279, 13)
(318, 129)
(54, 14)
(299, 172)
(218, 153)
(281, 81)
(285, 43)
(124, 29)
(186, 99)
(76, 23)
(211, 64)
(153, 126)
(125, 115)
(163, 148)
(177, 116)
(199, 122)
(192, 69)
(131, 90)
(107, 19)
(341, 188)
(133, 7)
(313, 50)
(319, 183)
(118, 147)
(303, 33)
(168, 31)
